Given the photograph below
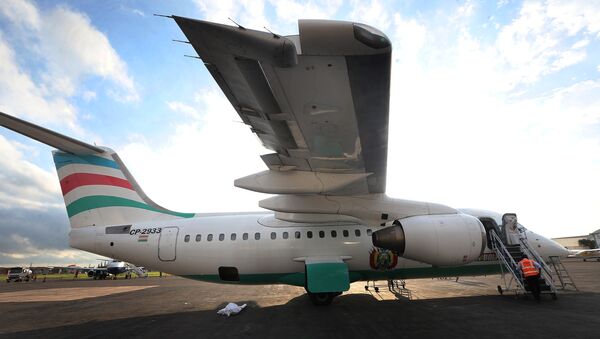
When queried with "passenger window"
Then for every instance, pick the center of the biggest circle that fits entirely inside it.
(187, 238)
(221, 237)
(273, 235)
(345, 233)
(369, 232)
(233, 236)
(209, 237)
(357, 233)
(257, 236)
(245, 236)
(333, 234)
(198, 237)
(285, 235)
(321, 234)
(309, 234)
(297, 235)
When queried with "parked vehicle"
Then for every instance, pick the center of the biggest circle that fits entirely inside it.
(18, 274)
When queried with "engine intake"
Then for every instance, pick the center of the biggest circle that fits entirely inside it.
(439, 240)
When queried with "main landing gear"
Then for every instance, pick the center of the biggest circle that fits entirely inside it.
(322, 299)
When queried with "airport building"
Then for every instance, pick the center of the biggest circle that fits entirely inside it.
(573, 243)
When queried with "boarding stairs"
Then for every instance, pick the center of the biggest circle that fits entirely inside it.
(561, 275)
(509, 256)
(139, 272)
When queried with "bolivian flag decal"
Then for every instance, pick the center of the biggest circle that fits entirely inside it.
(143, 238)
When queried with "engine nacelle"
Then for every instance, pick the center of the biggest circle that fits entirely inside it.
(439, 240)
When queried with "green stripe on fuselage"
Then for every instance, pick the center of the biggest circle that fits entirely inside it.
(298, 278)
(99, 201)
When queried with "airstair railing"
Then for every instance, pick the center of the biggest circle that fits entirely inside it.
(506, 258)
(545, 272)
(562, 274)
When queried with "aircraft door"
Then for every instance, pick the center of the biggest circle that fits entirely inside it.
(167, 244)
(509, 225)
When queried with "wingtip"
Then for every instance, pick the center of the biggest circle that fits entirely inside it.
(164, 16)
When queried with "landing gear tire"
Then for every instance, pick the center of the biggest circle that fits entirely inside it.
(321, 299)
(500, 290)
(554, 297)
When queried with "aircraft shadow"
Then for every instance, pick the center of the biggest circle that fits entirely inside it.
(361, 315)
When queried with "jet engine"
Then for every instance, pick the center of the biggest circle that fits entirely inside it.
(439, 240)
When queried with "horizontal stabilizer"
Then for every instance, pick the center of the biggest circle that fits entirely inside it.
(48, 137)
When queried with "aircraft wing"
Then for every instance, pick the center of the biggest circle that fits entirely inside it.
(319, 100)
(584, 253)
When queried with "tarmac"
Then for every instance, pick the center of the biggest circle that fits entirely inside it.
(171, 307)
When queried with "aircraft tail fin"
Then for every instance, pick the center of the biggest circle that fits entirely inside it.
(97, 187)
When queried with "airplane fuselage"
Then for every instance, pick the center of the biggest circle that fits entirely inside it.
(259, 249)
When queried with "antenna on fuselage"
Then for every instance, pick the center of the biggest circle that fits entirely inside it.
(276, 36)
(239, 26)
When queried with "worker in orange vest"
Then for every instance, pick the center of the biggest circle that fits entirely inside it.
(531, 273)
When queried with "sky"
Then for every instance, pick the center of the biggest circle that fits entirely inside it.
(494, 105)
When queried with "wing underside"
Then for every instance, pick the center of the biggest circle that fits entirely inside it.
(319, 100)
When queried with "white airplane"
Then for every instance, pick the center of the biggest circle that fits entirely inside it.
(112, 268)
(319, 100)
(593, 253)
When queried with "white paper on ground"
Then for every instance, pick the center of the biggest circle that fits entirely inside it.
(230, 309)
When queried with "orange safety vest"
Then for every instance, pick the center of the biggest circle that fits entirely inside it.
(528, 268)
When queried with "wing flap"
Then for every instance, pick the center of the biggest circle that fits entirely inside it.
(318, 99)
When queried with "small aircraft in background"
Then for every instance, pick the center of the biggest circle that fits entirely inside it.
(112, 268)
(585, 254)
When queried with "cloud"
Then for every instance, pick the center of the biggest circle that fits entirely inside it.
(71, 49)
(132, 10)
(464, 133)
(24, 184)
(37, 236)
(252, 14)
(20, 94)
(536, 43)
(21, 12)
(88, 95)
(289, 11)
(372, 12)
(74, 48)
(211, 148)
(187, 110)
(247, 13)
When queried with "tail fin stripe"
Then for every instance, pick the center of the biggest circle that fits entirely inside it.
(73, 181)
(61, 160)
(99, 201)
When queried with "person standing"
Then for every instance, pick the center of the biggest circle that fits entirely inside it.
(531, 273)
